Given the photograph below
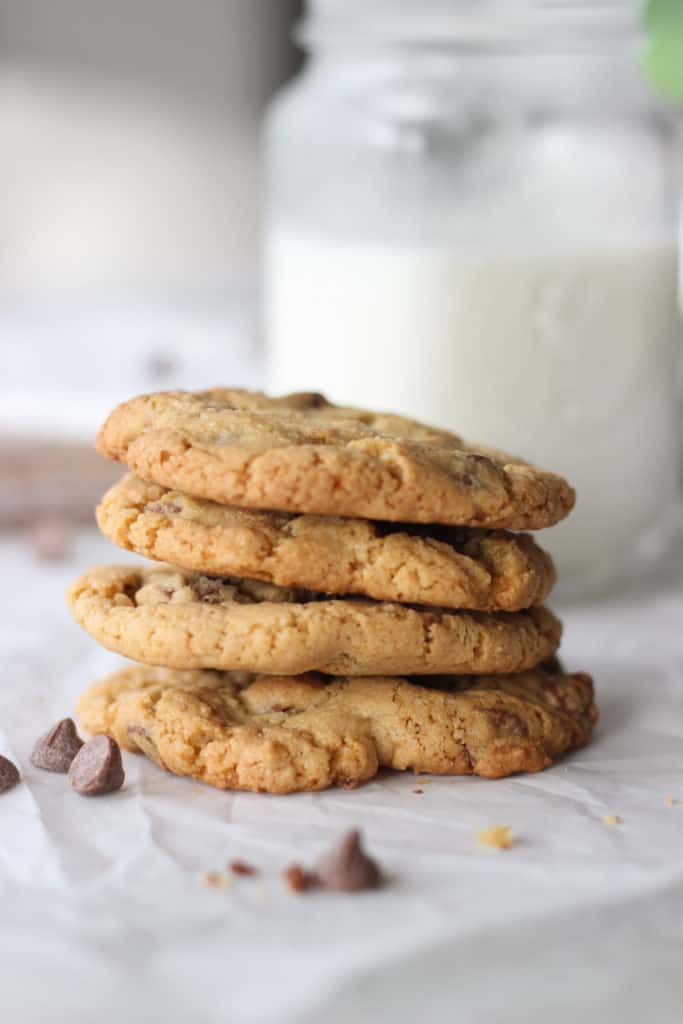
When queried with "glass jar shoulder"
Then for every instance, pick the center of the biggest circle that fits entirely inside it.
(417, 149)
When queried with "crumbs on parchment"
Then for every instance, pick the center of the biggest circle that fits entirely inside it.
(498, 837)
(217, 880)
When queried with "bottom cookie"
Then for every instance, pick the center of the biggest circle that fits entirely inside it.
(280, 734)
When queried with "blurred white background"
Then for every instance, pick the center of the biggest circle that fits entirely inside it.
(131, 186)
(130, 134)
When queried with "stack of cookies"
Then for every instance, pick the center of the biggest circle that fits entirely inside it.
(335, 591)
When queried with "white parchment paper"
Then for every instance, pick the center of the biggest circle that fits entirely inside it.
(104, 916)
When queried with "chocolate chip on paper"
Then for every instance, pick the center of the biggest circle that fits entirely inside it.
(242, 867)
(298, 879)
(56, 749)
(346, 867)
(97, 768)
(9, 774)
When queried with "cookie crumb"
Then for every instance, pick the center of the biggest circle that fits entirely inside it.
(217, 880)
(611, 819)
(423, 782)
(297, 878)
(497, 836)
(418, 791)
(240, 867)
(670, 801)
(260, 894)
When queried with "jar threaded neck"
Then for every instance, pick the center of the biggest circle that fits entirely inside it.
(472, 24)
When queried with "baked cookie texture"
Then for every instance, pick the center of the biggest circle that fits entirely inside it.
(282, 735)
(299, 453)
(165, 616)
(467, 568)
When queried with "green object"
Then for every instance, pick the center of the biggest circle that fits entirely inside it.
(664, 52)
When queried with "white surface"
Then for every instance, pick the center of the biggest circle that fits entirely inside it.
(587, 339)
(103, 915)
(63, 367)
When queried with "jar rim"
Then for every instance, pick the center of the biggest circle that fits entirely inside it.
(475, 25)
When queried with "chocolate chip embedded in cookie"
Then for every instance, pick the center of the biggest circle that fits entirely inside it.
(483, 570)
(283, 735)
(162, 616)
(241, 449)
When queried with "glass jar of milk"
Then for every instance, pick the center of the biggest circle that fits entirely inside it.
(472, 220)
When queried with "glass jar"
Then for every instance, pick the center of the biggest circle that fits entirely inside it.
(471, 219)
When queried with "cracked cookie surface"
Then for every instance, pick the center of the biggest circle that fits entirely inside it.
(282, 735)
(166, 616)
(299, 453)
(442, 566)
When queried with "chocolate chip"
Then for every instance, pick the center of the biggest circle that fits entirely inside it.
(240, 867)
(164, 508)
(346, 783)
(312, 400)
(208, 590)
(347, 867)
(507, 723)
(552, 665)
(97, 767)
(9, 774)
(298, 879)
(57, 748)
(144, 742)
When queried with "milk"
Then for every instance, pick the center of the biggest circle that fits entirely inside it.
(565, 357)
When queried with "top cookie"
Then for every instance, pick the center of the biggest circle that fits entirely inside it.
(301, 454)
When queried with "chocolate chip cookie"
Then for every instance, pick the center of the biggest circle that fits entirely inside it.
(164, 616)
(282, 735)
(483, 570)
(301, 454)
